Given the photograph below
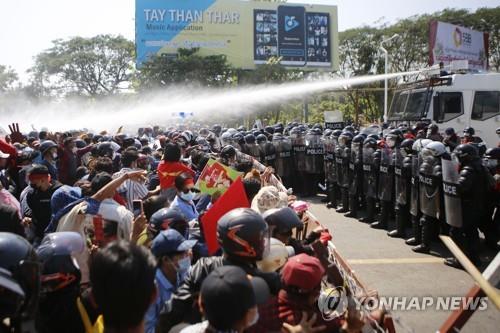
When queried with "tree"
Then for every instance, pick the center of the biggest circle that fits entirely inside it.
(101, 65)
(188, 66)
(8, 77)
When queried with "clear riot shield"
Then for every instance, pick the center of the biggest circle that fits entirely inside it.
(429, 188)
(386, 179)
(299, 151)
(314, 154)
(369, 174)
(414, 200)
(452, 200)
(400, 180)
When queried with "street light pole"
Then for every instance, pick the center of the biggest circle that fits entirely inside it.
(386, 56)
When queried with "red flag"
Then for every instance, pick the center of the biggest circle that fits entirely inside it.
(234, 197)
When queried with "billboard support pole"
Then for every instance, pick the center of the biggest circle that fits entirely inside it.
(386, 55)
(306, 111)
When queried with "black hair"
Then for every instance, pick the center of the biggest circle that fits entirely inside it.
(153, 204)
(38, 169)
(123, 283)
(99, 181)
(81, 171)
(252, 187)
(103, 164)
(129, 156)
(172, 152)
(181, 179)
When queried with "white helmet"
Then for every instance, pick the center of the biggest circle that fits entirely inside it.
(420, 144)
(436, 148)
(277, 256)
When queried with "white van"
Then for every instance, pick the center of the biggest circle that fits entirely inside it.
(456, 100)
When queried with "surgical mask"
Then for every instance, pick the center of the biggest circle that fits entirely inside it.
(187, 196)
(491, 163)
(183, 266)
(254, 320)
(74, 150)
(54, 156)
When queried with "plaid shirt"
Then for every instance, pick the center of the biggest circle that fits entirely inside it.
(285, 309)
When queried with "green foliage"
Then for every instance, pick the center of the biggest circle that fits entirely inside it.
(101, 65)
(187, 67)
(8, 77)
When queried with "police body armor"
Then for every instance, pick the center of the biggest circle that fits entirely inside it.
(370, 172)
(283, 163)
(269, 154)
(299, 151)
(314, 154)
(355, 170)
(386, 174)
(451, 191)
(253, 150)
(329, 159)
(415, 198)
(339, 162)
(402, 172)
(345, 155)
(429, 186)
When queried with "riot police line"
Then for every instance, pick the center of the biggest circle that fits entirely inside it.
(400, 179)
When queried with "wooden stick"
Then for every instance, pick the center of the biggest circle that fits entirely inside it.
(488, 289)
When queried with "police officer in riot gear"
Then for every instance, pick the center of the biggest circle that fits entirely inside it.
(471, 186)
(261, 140)
(403, 174)
(343, 155)
(328, 148)
(355, 175)
(299, 151)
(283, 163)
(371, 164)
(314, 160)
(416, 160)
(332, 173)
(386, 178)
(430, 191)
(251, 148)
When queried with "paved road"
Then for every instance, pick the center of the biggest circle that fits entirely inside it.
(389, 266)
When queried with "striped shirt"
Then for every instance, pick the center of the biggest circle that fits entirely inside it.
(131, 190)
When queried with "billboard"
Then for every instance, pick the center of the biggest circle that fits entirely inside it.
(247, 32)
(450, 42)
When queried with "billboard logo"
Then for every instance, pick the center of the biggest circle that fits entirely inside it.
(461, 38)
(290, 23)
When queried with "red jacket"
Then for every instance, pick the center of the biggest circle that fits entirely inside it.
(167, 171)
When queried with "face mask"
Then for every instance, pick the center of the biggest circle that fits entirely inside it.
(187, 196)
(74, 150)
(492, 163)
(254, 320)
(54, 156)
(183, 266)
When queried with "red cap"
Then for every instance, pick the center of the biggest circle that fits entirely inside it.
(303, 271)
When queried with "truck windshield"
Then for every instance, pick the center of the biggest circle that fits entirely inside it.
(409, 105)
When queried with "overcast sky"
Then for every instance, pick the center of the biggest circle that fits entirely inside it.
(28, 26)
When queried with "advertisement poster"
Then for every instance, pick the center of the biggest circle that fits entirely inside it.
(248, 33)
(216, 177)
(450, 42)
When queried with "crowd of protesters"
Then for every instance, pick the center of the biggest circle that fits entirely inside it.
(103, 233)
